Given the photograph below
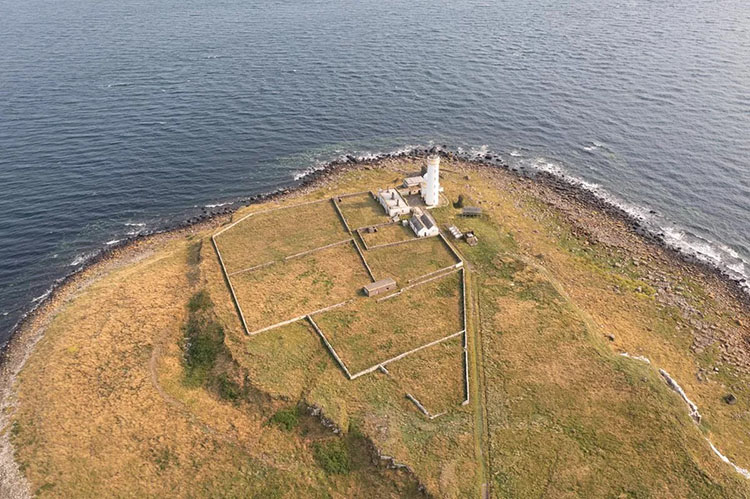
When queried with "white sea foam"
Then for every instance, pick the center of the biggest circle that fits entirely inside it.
(479, 151)
(719, 255)
(43, 295)
(716, 254)
(113, 241)
(359, 156)
(217, 205)
(592, 146)
(83, 258)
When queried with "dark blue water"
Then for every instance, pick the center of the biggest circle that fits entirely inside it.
(125, 116)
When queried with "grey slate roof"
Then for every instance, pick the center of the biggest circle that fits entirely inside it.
(428, 221)
(416, 223)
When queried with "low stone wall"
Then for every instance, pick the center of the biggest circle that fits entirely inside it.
(341, 215)
(330, 347)
(364, 261)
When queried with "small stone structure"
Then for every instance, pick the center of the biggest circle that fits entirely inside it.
(412, 185)
(455, 232)
(393, 203)
(379, 287)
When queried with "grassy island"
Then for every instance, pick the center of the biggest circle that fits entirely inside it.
(562, 355)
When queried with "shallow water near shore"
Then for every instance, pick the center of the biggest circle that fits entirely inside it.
(120, 118)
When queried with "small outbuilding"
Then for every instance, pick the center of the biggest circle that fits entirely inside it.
(471, 211)
(412, 185)
(423, 224)
(379, 287)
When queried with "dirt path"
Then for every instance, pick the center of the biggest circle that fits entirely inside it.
(478, 395)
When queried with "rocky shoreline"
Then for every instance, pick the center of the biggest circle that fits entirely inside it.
(322, 175)
(32, 327)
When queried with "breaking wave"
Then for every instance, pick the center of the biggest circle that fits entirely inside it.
(82, 258)
(218, 205)
(713, 253)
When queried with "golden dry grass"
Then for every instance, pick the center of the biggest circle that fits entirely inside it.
(416, 374)
(408, 261)
(567, 416)
(388, 234)
(299, 286)
(362, 211)
(113, 416)
(367, 332)
(273, 235)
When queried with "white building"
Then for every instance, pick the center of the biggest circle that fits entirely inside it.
(412, 185)
(423, 224)
(393, 203)
(431, 186)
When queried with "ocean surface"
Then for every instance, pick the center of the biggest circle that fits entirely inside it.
(128, 116)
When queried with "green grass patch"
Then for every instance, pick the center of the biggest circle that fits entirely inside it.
(202, 342)
(333, 456)
(286, 419)
(229, 389)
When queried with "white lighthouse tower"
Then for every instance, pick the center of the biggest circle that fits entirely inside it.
(431, 186)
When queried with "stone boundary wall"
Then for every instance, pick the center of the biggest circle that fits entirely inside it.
(451, 248)
(254, 267)
(364, 261)
(300, 317)
(402, 355)
(396, 243)
(341, 215)
(466, 339)
(268, 211)
(351, 194)
(446, 272)
(364, 243)
(307, 252)
(329, 347)
(229, 284)
(419, 279)
(422, 408)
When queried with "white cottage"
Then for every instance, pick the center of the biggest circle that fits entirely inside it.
(423, 224)
(393, 203)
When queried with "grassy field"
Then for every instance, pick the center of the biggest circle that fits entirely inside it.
(362, 211)
(407, 261)
(367, 332)
(388, 234)
(416, 374)
(145, 383)
(273, 235)
(543, 364)
(300, 285)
